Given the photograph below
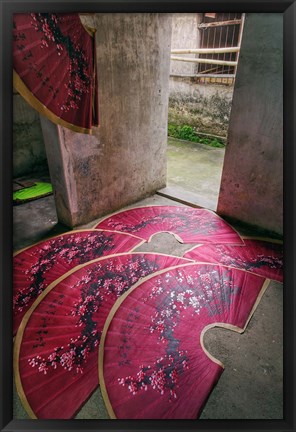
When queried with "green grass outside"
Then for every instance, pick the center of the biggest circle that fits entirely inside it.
(187, 133)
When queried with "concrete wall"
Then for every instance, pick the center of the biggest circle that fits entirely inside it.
(206, 107)
(252, 178)
(185, 34)
(125, 159)
(28, 145)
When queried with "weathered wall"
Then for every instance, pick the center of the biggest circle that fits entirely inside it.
(125, 159)
(206, 107)
(252, 179)
(185, 34)
(28, 145)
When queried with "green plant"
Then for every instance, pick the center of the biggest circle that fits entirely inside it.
(188, 133)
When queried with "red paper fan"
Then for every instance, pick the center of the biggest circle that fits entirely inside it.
(54, 69)
(56, 348)
(257, 256)
(188, 225)
(36, 267)
(152, 359)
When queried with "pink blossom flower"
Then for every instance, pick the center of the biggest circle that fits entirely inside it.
(174, 376)
(107, 283)
(52, 356)
(133, 388)
(43, 368)
(82, 309)
(67, 359)
(72, 254)
(157, 380)
(141, 375)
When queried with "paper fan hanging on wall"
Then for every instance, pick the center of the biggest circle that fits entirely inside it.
(257, 256)
(152, 360)
(35, 267)
(56, 348)
(188, 225)
(54, 68)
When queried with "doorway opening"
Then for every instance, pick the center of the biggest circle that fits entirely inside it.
(33, 198)
(204, 56)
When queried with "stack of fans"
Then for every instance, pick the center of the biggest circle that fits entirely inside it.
(89, 311)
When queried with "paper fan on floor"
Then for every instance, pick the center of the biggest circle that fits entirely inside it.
(152, 360)
(56, 347)
(261, 257)
(35, 267)
(54, 68)
(188, 225)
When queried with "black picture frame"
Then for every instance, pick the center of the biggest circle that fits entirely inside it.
(9, 7)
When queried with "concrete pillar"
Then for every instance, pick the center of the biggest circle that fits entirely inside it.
(70, 156)
(125, 158)
(252, 179)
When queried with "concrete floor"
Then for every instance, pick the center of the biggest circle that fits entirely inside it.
(193, 173)
(251, 385)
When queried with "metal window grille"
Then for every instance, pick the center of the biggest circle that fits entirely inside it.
(219, 30)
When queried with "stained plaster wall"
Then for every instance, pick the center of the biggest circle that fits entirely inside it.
(205, 107)
(252, 179)
(185, 34)
(125, 158)
(28, 146)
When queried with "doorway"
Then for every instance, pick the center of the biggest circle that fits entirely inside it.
(204, 57)
(33, 199)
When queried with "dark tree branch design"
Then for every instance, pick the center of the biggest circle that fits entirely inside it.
(97, 284)
(70, 248)
(80, 82)
(205, 292)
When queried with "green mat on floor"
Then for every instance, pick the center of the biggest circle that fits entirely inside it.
(39, 190)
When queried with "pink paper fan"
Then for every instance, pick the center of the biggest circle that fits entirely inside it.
(54, 68)
(257, 256)
(56, 348)
(188, 225)
(152, 360)
(34, 268)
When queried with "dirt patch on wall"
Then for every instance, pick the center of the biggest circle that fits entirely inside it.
(205, 107)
